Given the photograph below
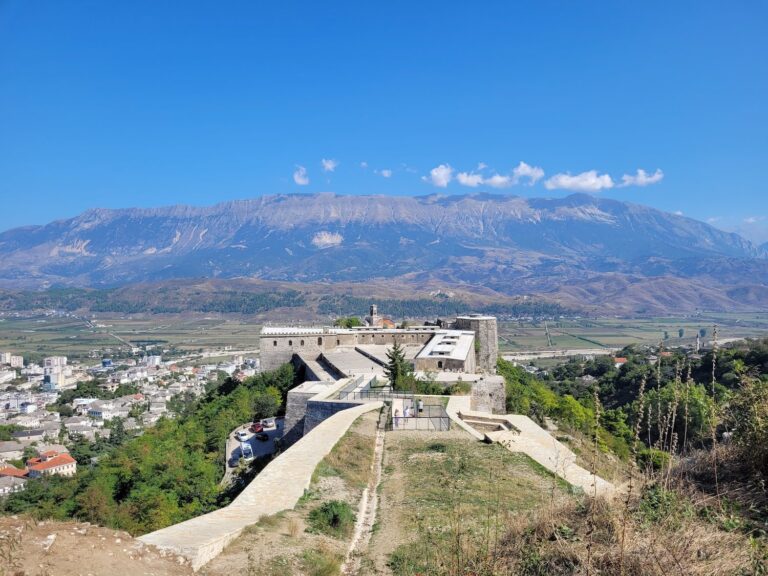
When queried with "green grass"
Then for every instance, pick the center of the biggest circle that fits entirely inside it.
(455, 485)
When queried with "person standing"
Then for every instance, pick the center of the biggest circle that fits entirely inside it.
(396, 418)
(421, 406)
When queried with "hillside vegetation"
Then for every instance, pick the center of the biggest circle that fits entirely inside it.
(168, 474)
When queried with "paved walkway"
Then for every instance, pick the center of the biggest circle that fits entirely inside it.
(278, 487)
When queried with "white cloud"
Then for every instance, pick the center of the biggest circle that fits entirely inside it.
(753, 219)
(678, 212)
(327, 239)
(440, 176)
(329, 164)
(300, 176)
(474, 179)
(363, 164)
(469, 179)
(533, 173)
(386, 173)
(641, 178)
(589, 181)
(499, 181)
(713, 219)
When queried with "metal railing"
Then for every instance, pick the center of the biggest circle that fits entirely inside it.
(432, 418)
(374, 394)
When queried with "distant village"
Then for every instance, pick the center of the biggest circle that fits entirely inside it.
(43, 416)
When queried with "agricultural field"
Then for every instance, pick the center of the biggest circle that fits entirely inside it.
(81, 338)
(579, 333)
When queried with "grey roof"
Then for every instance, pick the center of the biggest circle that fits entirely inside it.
(11, 446)
(11, 481)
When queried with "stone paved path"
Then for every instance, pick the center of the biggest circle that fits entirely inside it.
(278, 487)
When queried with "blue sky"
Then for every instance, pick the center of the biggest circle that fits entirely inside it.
(147, 103)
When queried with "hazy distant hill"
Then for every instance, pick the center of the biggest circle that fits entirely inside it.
(507, 244)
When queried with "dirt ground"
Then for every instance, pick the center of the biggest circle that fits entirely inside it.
(30, 548)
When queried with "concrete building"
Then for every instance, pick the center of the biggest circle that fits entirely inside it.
(55, 362)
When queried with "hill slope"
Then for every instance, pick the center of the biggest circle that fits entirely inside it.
(508, 244)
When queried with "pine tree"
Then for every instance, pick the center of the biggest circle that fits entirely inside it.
(397, 367)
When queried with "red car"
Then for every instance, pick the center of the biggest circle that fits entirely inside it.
(256, 427)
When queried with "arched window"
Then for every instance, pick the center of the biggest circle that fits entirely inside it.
(319, 341)
(338, 342)
(439, 363)
(302, 343)
(274, 343)
(290, 342)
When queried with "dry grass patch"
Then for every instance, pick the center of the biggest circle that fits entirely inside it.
(447, 494)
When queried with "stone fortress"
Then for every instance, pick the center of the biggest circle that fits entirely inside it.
(343, 372)
(342, 367)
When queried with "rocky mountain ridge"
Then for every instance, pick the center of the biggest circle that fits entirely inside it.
(508, 244)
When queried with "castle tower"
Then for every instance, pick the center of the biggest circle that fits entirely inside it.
(373, 317)
(486, 339)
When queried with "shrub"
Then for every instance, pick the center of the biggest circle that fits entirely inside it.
(321, 563)
(653, 458)
(334, 517)
(749, 417)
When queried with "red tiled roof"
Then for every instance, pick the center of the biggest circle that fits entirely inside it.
(13, 471)
(55, 462)
(620, 360)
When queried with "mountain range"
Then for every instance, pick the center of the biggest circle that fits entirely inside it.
(579, 249)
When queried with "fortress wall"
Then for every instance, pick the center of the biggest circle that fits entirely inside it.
(295, 411)
(489, 395)
(276, 350)
(486, 340)
(319, 410)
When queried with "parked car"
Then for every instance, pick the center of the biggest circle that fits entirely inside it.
(262, 436)
(241, 435)
(268, 422)
(246, 452)
(256, 427)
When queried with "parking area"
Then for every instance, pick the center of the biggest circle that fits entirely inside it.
(259, 447)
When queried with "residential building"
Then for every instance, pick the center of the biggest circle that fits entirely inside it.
(51, 463)
(11, 484)
(12, 472)
(11, 450)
